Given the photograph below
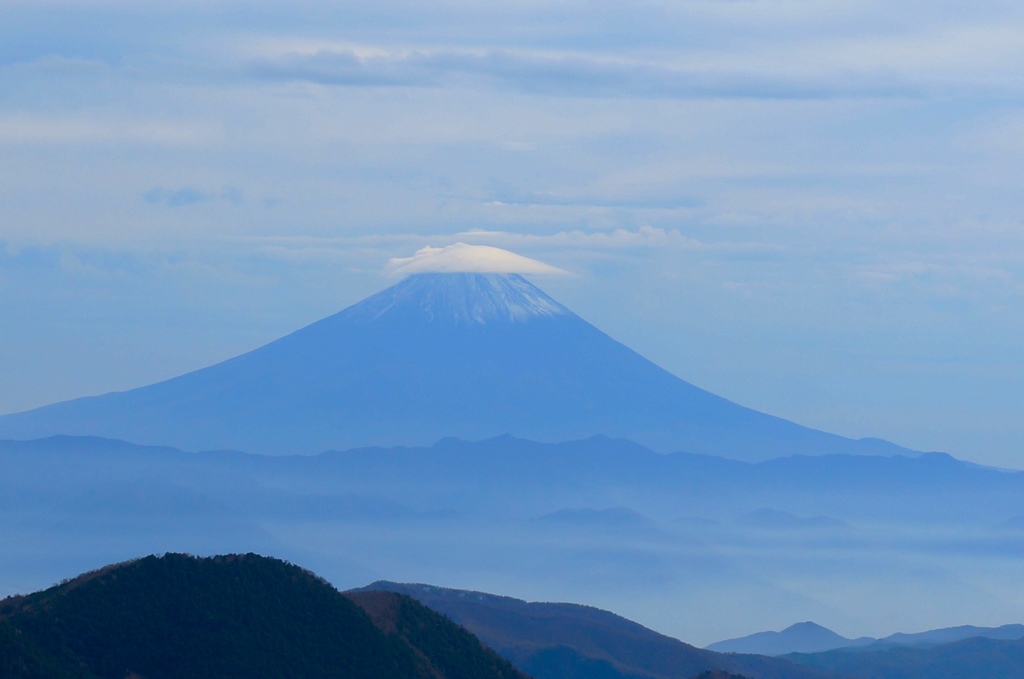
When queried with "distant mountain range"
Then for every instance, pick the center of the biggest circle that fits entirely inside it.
(596, 481)
(437, 355)
(808, 637)
(599, 520)
(803, 637)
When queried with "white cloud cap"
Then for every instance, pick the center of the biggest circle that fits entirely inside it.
(463, 258)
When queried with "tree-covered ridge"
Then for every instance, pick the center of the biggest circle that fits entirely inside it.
(448, 649)
(244, 616)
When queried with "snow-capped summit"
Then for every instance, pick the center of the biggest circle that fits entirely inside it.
(475, 298)
(469, 355)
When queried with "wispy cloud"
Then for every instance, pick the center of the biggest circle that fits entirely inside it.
(188, 195)
(931, 60)
(576, 75)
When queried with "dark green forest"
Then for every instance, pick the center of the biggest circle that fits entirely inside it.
(245, 616)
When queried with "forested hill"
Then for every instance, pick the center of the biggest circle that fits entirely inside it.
(183, 617)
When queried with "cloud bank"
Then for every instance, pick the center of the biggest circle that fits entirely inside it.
(463, 258)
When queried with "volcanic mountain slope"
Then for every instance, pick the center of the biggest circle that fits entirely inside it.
(569, 641)
(181, 617)
(437, 355)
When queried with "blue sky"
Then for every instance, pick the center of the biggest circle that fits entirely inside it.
(810, 208)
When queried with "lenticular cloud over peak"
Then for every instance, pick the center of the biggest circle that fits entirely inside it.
(463, 258)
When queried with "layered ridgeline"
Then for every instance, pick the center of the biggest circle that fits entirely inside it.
(808, 637)
(437, 355)
(181, 617)
(973, 658)
(570, 641)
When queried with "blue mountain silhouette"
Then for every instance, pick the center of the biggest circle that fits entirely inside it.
(437, 355)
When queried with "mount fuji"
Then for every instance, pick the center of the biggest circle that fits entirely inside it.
(466, 355)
